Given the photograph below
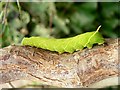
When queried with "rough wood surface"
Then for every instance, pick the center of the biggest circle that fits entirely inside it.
(80, 69)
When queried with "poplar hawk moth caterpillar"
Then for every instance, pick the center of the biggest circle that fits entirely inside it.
(69, 45)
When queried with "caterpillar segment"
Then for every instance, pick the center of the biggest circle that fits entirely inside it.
(66, 45)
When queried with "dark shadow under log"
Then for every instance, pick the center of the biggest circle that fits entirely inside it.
(80, 69)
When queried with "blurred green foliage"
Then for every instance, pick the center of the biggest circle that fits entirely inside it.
(56, 19)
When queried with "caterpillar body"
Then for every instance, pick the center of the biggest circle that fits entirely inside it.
(66, 44)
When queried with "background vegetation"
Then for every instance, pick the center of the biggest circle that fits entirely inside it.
(56, 19)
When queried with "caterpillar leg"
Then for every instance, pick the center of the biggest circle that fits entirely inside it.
(89, 45)
(78, 47)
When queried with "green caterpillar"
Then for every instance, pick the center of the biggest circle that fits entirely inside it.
(66, 44)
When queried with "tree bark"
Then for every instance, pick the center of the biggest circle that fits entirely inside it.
(79, 69)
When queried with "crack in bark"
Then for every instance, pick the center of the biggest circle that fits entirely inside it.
(52, 79)
(37, 77)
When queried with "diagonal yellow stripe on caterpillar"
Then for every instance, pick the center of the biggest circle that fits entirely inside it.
(92, 35)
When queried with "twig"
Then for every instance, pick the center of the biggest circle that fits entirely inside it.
(19, 7)
(11, 85)
(50, 21)
(5, 12)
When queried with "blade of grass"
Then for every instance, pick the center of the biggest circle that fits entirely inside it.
(18, 4)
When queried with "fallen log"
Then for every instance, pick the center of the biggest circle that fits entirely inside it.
(84, 68)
